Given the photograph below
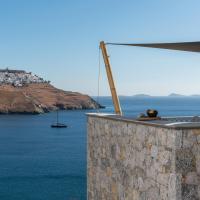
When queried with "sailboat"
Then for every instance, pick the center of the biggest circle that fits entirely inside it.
(57, 124)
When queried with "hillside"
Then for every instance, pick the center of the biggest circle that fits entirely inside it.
(22, 93)
(40, 98)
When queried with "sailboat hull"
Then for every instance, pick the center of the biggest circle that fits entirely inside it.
(58, 125)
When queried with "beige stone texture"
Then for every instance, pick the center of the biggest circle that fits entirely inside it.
(131, 161)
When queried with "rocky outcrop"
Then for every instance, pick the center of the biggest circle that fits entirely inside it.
(37, 98)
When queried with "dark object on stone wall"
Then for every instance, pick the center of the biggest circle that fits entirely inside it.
(152, 113)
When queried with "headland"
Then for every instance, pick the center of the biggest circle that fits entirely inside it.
(25, 93)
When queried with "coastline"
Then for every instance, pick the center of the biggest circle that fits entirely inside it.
(37, 98)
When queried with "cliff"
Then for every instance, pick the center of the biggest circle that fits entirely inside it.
(36, 98)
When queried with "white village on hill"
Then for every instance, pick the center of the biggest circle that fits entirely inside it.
(19, 78)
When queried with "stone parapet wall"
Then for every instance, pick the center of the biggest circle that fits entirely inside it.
(132, 161)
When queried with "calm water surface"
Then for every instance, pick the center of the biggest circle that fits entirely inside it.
(41, 163)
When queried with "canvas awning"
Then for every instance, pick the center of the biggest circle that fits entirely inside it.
(180, 46)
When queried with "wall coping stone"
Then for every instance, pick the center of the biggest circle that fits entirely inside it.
(155, 123)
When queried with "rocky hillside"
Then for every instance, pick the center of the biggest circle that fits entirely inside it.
(41, 97)
(33, 95)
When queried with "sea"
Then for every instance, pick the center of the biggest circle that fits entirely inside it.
(38, 162)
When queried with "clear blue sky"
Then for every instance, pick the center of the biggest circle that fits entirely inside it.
(58, 40)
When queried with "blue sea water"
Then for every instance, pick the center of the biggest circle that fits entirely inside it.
(41, 163)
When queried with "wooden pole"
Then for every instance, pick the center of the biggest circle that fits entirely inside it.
(110, 79)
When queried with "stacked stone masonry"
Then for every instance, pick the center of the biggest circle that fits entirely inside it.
(133, 161)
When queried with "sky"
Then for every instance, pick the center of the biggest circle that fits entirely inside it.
(59, 41)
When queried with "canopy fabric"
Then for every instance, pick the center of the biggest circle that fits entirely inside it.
(180, 46)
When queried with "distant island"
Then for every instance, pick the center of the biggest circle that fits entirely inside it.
(195, 95)
(170, 95)
(142, 95)
(25, 93)
(175, 95)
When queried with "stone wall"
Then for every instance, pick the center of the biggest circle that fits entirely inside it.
(128, 160)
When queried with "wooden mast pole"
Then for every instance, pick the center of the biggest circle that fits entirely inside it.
(110, 79)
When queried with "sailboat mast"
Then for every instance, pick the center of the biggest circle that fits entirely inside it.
(57, 116)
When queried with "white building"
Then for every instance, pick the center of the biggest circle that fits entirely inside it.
(18, 78)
